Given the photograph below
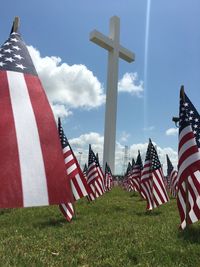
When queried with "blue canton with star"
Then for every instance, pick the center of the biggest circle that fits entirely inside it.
(189, 115)
(14, 56)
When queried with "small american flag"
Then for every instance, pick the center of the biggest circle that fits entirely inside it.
(152, 179)
(172, 178)
(31, 162)
(95, 176)
(108, 178)
(78, 182)
(188, 162)
(136, 173)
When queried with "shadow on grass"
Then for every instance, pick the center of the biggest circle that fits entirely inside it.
(148, 213)
(51, 223)
(191, 234)
(134, 195)
(4, 211)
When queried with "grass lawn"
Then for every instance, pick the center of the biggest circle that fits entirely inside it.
(113, 231)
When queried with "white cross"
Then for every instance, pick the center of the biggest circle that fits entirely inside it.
(115, 50)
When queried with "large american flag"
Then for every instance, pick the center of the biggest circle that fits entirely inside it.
(31, 163)
(172, 178)
(78, 182)
(188, 198)
(152, 180)
(95, 176)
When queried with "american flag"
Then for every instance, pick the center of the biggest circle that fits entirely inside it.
(78, 182)
(136, 173)
(188, 197)
(133, 162)
(31, 163)
(128, 178)
(95, 176)
(108, 178)
(172, 178)
(85, 169)
(152, 179)
(147, 181)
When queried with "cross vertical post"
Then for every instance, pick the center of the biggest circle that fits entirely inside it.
(115, 50)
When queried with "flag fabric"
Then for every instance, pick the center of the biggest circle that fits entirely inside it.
(108, 178)
(136, 173)
(188, 162)
(85, 169)
(128, 182)
(95, 176)
(31, 163)
(78, 182)
(67, 210)
(152, 180)
(133, 163)
(172, 178)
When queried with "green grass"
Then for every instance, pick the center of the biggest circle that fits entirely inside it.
(113, 231)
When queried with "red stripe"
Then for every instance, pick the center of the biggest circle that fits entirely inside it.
(10, 176)
(59, 189)
(185, 138)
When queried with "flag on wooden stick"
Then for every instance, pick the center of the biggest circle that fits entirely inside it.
(152, 179)
(172, 178)
(78, 182)
(188, 197)
(31, 163)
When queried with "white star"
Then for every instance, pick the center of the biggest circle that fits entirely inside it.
(16, 47)
(20, 66)
(190, 118)
(7, 43)
(195, 126)
(14, 39)
(191, 112)
(185, 104)
(196, 120)
(2, 64)
(18, 56)
(8, 50)
(1, 55)
(9, 59)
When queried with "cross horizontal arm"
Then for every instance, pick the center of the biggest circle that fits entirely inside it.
(101, 40)
(126, 54)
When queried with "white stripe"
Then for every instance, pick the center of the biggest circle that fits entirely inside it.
(190, 143)
(71, 168)
(185, 131)
(158, 185)
(66, 149)
(75, 193)
(81, 185)
(90, 179)
(34, 184)
(69, 214)
(68, 159)
(187, 162)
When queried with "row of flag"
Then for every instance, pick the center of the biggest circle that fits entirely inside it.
(38, 168)
(184, 183)
(90, 183)
(37, 164)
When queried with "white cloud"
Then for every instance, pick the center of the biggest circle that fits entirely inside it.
(80, 144)
(67, 87)
(129, 83)
(171, 131)
(124, 136)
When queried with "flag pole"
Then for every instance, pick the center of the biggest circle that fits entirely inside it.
(15, 25)
(182, 95)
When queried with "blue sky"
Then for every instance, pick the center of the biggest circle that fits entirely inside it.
(60, 29)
